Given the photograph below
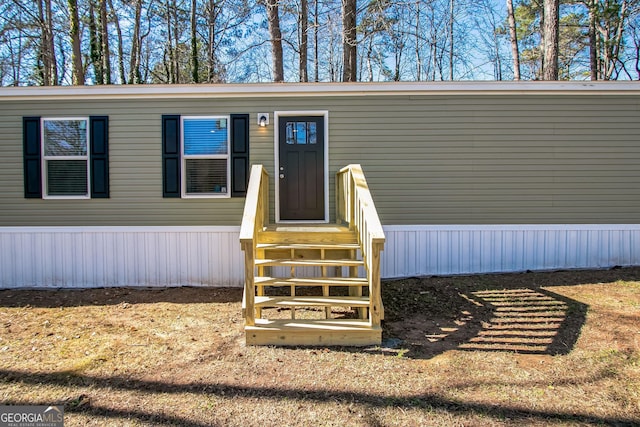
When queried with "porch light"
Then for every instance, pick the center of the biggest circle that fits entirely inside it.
(263, 119)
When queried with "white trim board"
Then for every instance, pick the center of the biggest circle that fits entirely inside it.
(95, 256)
(275, 90)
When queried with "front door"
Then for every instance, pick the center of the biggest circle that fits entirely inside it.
(301, 174)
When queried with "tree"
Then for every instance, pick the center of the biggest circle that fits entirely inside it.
(194, 44)
(513, 36)
(121, 70)
(451, 21)
(135, 54)
(349, 42)
(303, 25)
(95, 46)
(47, 64)
(550, 39)
(76, 52)
(275, 35)
(104, 43)
(607, 19)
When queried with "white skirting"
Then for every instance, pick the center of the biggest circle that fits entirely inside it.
(78, 257)
(420, 250)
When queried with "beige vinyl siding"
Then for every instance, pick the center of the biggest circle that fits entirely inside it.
(497, 159)
(432, 159)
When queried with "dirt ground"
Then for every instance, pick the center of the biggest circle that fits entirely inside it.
(560, 348)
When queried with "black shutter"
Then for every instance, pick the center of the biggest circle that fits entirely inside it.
(31, 157)
(239, 154)
(171, 156)
(99, 157)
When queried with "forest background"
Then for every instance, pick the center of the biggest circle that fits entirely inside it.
(63, 42)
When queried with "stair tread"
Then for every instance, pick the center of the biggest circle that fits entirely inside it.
(344, 246)
(329, 301)
(312, 324)
(308, 228)
(323, 234)
(310, 281)
(309, 262)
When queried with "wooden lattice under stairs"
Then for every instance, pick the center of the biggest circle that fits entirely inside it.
(313, 284)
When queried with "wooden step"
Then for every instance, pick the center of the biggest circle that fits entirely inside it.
(310, 281)
(316, 301)
(302, 262)
(311, 246)
(307, 234)
(313, 333)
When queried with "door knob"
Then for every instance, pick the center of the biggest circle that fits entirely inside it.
(281, 175)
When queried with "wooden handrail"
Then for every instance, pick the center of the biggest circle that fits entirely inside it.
(254, 218)
(354, 205)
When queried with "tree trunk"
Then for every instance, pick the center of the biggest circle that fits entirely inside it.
(513, 35)
(44, 70)
(304, 40)
(47, 52)
(349, 46)
(316, 29)
(213, 73)
(276, 40)
(593, 40)
(134, 71)
(417, 35)
(451, 16)
(121, 71)
(194, 44)
(95, 46)
(77, 75)
(614, 57)
(551, 32)
(104, 36)
(176, 43)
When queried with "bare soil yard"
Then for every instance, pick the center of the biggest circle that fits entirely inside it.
(558, 348)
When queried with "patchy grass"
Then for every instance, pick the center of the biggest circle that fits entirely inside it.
(520, 349)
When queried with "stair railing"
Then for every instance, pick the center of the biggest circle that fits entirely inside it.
(254, 218)
(354, 205)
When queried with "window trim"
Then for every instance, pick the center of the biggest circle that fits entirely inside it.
(45, 158)
(184, 157)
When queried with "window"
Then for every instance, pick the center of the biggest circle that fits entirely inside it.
(65, 160)
(205, 154)
(66, 157)
(301, 133)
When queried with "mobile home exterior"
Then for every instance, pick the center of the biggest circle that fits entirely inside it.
(467, 177)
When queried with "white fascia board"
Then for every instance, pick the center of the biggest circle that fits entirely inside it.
(274, 90)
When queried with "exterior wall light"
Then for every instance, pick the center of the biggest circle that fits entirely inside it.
(263, 119)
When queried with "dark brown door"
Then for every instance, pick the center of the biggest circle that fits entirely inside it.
(301, 173)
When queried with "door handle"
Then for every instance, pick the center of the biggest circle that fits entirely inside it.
(281, 176)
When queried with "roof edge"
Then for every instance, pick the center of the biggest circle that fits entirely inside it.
(262, 90)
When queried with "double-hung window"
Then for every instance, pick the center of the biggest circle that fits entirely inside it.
(65, 159)
(205, 156)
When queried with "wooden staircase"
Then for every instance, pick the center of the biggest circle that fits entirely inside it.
(313, 284)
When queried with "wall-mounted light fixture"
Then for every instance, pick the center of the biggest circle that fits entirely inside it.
(263, 119)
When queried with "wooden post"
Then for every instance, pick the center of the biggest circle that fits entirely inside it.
(249, 285)
(377, 311)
